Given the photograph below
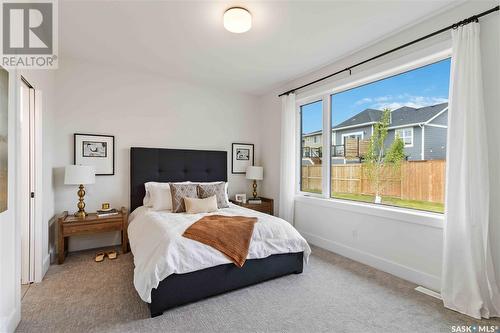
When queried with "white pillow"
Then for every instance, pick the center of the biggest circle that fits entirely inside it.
(195, 205)
(161, 197)
(158, 195)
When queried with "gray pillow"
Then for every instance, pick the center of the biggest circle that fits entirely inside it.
(218, 189)
(179, 192)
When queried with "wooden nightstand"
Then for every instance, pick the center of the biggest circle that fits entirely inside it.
(267, 205)
(69, 225)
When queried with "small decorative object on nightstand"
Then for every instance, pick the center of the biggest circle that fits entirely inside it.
(79, 175)
(70, 225)
(242, 197)
(266, 205)
(255, 173)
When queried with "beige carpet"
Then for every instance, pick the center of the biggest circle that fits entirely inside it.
(334, 294)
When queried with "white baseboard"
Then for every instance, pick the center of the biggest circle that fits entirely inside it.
(429, 292)
(407, 273)
(8, 324)
(46, 265)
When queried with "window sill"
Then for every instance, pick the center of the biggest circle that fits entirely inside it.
(428, 219)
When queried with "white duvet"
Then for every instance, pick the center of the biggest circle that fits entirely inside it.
(160, 250)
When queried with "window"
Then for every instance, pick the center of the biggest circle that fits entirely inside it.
(389, 164)
(311, 124)
(405, 134)
(388, 143)
(355, 136)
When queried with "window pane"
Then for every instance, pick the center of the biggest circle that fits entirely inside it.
(389, 140)
(311, 124)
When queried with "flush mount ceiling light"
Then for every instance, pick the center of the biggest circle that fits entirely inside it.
(237, 20)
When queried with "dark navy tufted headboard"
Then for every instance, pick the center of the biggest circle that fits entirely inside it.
(173, 165)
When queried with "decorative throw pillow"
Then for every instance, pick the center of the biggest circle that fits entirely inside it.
(211, 183)
(217, 189)
(195, 205)
(179, 192)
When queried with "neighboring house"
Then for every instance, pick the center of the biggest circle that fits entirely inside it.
(312, 146)
(423, 131)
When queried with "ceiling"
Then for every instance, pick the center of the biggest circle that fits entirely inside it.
(186, 40)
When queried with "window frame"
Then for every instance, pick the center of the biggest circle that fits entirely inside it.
(298, 173)
(402, 129)
(412, 60)
(352, 133)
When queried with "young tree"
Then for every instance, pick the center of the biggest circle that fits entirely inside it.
(377, 161)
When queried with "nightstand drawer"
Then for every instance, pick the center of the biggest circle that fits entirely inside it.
(267, 206)
(79, 229)
(264, 208)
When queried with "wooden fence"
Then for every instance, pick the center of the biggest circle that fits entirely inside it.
(416, 180)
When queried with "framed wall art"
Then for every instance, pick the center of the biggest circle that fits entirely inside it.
(242, 157)
(96, 150)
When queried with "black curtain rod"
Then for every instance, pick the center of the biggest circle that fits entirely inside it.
(473, 18)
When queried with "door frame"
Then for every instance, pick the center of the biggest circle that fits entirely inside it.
(36, 242)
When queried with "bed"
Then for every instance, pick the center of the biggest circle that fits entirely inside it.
(171, 270)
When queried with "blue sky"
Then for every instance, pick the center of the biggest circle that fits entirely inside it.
(421, 87)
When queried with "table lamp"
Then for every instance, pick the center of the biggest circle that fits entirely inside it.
(255, 173)
(79, 175)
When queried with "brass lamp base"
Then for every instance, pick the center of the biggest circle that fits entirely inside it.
(81, 214)
(254, 189)
(81, 204)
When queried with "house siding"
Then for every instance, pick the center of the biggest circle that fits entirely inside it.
(413, 153)
(435, 143)
(442, 119)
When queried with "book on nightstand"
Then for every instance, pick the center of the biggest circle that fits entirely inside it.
(254, 201)
(104, 213)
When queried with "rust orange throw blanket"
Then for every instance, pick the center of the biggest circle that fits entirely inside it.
(230, 235)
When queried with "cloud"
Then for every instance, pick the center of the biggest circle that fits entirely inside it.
(383, 98)
(363, 101)
(379, 99)
(409, 100)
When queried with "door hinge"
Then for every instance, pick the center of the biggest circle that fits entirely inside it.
(32, 194)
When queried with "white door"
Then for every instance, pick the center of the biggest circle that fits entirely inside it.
(27, 182)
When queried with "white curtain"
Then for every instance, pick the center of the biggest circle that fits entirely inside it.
(288, 158)
(468, 283)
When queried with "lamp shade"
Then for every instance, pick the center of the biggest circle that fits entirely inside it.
(255, 172)
(79, 175)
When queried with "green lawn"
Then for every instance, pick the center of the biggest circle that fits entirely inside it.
(422, 205)
(392, 201)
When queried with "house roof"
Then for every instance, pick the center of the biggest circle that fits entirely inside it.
(313, 133)
(403, 116)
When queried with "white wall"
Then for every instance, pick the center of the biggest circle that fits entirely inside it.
(412, 251)
(140, 109)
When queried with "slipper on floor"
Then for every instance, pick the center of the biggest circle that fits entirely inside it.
(99, 256)
(112, 254)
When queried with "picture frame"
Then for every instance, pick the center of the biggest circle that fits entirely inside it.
(96, 150)
(242, 156)
(242, 198)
